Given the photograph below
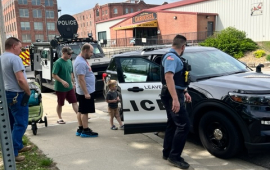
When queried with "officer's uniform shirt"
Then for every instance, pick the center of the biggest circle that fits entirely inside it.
(172, 63)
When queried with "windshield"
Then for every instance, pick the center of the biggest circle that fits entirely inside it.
(212, 63)
(77, 49)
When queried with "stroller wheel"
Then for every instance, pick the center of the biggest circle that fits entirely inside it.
(45, 121)
(34, 128)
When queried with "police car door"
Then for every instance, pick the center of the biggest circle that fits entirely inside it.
(139, 81)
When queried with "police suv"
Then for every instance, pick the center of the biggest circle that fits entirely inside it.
(230, 107)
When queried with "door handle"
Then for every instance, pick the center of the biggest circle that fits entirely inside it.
(135, 89)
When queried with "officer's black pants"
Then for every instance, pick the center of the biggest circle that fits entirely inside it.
(178, 126)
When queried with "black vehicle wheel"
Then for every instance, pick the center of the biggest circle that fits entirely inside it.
(45, 121)
(218, 135)
(34, 128)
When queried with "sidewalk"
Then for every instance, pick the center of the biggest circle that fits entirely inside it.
(112, 149)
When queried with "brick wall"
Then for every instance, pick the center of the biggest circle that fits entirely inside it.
(17, 32)
(86, 23)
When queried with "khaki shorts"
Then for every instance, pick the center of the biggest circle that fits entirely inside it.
(113, 112)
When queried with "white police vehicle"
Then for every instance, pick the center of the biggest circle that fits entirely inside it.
(230, 107)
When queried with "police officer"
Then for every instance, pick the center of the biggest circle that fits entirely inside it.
(172, 95)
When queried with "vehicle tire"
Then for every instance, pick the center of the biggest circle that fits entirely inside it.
(45, 121)
(34, 128)
(219, 135)
(39, 81)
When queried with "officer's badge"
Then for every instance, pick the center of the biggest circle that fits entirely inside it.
(170, 58)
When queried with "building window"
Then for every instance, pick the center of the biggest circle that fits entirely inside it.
(102, 12)
(115, 11)
(83, 17)
(126, 10)
(49, 14)
(97, 13)
(106, 12)
(24, 13)
(51, 37)
(90, 23)
(90, 15)
(102, 35)
(39, 37)
(14, 26)
(131, 10)
(48, 2)
(37, 13)
(35, 2)
(22, 2)
(25, 25)
(139, 9)
(26, 38)
(38, 25)
(51, 26)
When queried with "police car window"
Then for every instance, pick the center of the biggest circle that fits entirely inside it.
(112, 66)
(139, 70)
(207, 63)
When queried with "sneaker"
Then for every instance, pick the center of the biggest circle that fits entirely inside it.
(26, 148)
(122, 127)
(179, 163)
(88, 133)
(19, 159)
(114, 128)
(79, 132)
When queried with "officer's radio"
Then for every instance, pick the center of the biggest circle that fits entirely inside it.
(186, 70)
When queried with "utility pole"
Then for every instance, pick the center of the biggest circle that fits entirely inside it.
(2, 29)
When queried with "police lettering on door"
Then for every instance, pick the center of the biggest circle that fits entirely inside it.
(147, 105)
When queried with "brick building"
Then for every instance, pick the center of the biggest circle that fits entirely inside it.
(86, 23)
(154, 25)
(25, 19)
(87, 19)
(111, 10)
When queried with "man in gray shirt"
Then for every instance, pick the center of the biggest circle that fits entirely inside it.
(17, 93)
(85, 87)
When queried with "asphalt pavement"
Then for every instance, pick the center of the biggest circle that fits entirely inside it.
(113, 149)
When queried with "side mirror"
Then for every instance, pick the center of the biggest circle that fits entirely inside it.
(259, 68)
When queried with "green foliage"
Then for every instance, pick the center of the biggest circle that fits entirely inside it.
(35, 159)
(46, 162)
(25, 140)
(259, 53)
(268, 57)
(266, 45)
(231, 41)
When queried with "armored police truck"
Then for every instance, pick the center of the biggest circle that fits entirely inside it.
(44, 54)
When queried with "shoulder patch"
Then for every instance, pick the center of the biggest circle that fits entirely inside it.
(170, 58)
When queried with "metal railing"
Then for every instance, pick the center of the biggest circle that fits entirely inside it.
(194, 37)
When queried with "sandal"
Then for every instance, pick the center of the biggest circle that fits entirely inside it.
(61, 121)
